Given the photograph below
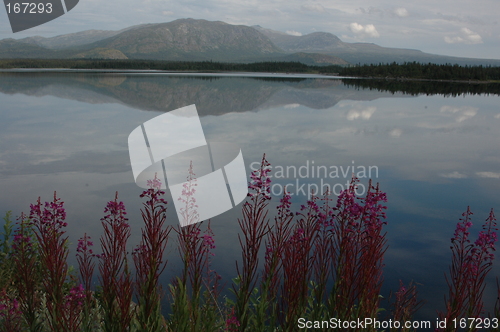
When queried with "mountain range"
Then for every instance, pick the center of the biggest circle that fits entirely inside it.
(201, 40)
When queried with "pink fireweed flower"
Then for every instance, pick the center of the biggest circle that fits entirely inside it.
(406, 302)
(155, 183)
(269, 252)
(485, 243)
(21, 240)
(254, 227)
(154, 193)
(117, 210)
(326, 213)
(260, 180)
(208, 242)
(75, 297)
(10, 313)
(113, 267)
(116, 232)
(471, 262)
(84, 245)
(232, 323)
(358, 247)
(51, 219)
(462, 229)
(189, 212)
(148, 256)
(311, 206)
(275, 244)
(86, 265)
(284, 206)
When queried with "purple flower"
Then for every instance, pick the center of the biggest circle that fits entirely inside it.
(155, 183)
(208, 241)
(260, 180)
(189, 211)
(84, 245)
(75, 297)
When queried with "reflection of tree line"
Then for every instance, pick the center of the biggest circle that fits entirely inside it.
(425, 87)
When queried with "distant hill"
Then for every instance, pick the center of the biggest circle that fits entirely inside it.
(12, 48)
(364, 53)
(201, 40)
(101, 53)
(316, 42)
(70, 40)
(189, 39)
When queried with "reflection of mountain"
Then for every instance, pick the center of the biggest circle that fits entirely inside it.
(212, 95)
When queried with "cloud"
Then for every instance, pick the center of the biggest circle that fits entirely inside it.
(367, 30)
(467, 36)
(454, 175)
(293, 33)
(490, 175)
(313, 7)
(167, 12)
(401, 12)
(371, 11)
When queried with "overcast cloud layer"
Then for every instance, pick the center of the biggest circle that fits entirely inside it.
(450, 27)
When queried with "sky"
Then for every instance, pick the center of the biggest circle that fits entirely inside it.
(465, 28)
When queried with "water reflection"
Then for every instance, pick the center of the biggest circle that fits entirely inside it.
(434, 155)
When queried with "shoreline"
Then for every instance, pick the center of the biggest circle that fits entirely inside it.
(176, 72)
(234, 74)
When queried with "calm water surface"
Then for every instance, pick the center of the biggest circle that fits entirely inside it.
(433, 154)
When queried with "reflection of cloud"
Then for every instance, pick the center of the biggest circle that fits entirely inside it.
(401, 12)
(466, 36)
(293, 33)
(82, 162)
(365, 114)
(295, 105)
(490, 175)
(453, 175)
(395, 132)
(367, 30)
(464, 113)
(497, 116)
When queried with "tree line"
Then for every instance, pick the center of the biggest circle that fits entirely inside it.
(407, 70)
(207, 66)
(429, 71)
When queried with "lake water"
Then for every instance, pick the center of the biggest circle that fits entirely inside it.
(433, 154)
